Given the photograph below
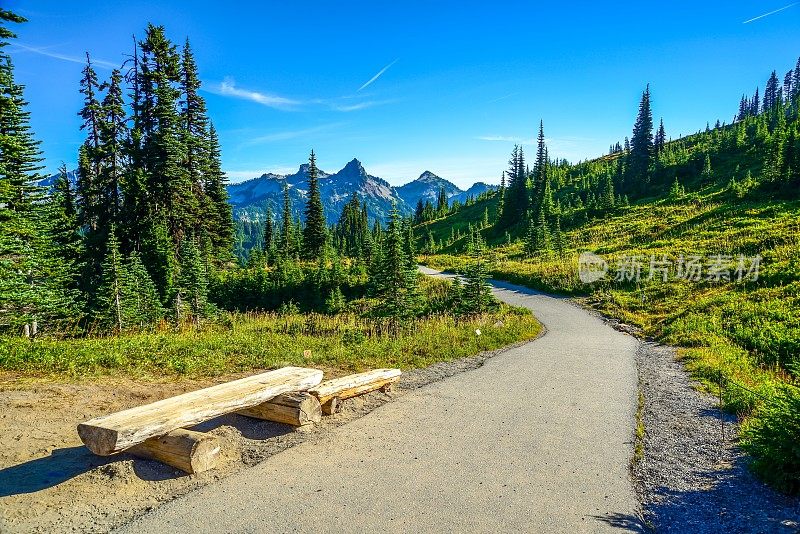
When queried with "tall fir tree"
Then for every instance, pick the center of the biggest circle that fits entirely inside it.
(641, 151)
(315, 230)
(395, 283)
(32, 279)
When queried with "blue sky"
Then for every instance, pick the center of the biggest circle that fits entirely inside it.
(459, 84)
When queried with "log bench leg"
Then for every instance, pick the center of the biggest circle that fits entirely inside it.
(187, 450)
(296, 409)
(332, 406)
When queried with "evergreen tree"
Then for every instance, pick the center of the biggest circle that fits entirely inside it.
(144, 307)
(641, 147)
(112, 137)
(192, 287)
(515, 201)
(477, 293)
(771, 92)
(606, 192)
(419, 211)
(29, 294)
(219, 214)
(269, 232)
(395, 283)
(538, 241)
(441, 203)
(314, 233)
(287, 231)
(501, 194)
(112, 308)
(661, 138)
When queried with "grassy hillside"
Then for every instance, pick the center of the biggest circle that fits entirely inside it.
(744, 333)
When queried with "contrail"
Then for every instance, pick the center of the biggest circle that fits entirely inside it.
(380, 72)
(771, 13)
(72, 59)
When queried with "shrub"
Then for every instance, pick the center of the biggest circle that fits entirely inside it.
(772, 437)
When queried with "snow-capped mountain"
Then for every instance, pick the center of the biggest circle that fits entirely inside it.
(252, 198)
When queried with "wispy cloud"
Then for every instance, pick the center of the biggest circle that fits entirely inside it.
(507, 139)
(748, 21)
(228, 88)
(290, 134)
(46, 51)
(380, 73)
(360, 105)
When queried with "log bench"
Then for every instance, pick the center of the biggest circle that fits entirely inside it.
(156, 429)
(331, 392)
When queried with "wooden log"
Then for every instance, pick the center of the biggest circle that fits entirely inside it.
(333, 406)
(353, 385)
(116, 432)
(187, 450)
(296, 409)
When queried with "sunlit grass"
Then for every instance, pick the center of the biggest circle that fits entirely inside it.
(245, 342)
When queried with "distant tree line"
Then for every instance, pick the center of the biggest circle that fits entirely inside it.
(146, 235)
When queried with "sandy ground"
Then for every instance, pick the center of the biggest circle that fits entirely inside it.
(50, 483)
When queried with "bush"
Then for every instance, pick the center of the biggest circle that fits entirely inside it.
(772, 437)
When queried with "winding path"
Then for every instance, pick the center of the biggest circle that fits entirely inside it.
(538, 439)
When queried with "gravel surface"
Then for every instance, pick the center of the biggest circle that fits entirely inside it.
(693, 477)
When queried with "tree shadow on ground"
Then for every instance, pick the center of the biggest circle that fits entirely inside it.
(625, 522)
(42, 473)
(731, 500)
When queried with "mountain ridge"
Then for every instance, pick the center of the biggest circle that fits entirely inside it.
(251, 199)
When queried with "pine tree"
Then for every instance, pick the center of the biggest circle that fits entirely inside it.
(28, 292)
(771, 92)
(515, 201)
(219, 214)
(269, 233)
(314, 233)
(112, 309)
(192, 287)
(501, 193)
(143, 306)
(419, 211)
(112, 137)
(707, 175)
(606, 192)
(477, 293)
(539, 166)
(538, 240)
(641, 147)
(165, 151)
(441, 202)
(287, 230)
(65, 230)
(661, 138)
(194, 128)
(677, 191)
(395, 283)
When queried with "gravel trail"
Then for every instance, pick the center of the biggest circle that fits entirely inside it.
(693, 478)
